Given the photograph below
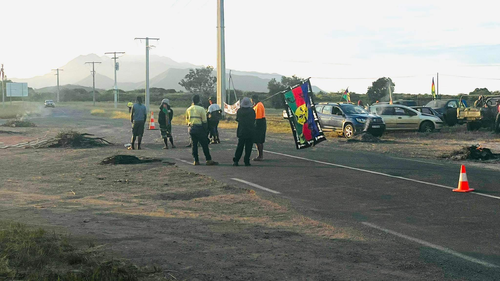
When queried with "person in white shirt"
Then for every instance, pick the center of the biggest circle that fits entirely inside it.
(214, 115)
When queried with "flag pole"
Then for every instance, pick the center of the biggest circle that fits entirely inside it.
(437, 86)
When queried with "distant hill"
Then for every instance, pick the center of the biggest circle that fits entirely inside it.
(53, 89)
(163, 72)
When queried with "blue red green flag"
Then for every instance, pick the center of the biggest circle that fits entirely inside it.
(347, 95)
(302, 116)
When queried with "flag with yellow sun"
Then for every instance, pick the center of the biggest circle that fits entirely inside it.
(302, 116)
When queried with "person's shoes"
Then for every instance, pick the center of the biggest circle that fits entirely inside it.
(258, 159)
(212, 163)
(173, 146)
(189, 145)
(132, 146)
(247, 164)
(196, 163)
(235, 164)
(165, 147)
(138, 148)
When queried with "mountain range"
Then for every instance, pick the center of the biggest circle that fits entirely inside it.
(163, 72)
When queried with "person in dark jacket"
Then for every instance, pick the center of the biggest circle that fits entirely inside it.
(246, 131)
(165, 121)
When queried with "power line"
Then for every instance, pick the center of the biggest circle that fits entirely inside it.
(57, 73)
(470, 77)
(93, 79)
(116, 66)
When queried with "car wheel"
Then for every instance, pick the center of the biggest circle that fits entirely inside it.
(426, 127)
(348, 131)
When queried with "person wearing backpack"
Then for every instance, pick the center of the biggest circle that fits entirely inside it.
(214, 115)
(165, 120)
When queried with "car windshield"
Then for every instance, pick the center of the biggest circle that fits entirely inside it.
(353, 109)
(436, 103)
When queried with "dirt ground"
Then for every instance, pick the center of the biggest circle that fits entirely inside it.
(192, 227)
(435, 145)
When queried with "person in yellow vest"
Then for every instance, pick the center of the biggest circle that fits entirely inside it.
(129, 105)
(260, 127)
(196, 118)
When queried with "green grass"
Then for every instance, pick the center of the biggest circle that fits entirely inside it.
(34, 254)
(19, 109)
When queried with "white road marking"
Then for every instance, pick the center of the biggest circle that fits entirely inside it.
(256, 186)
(430, 245)
(184, 161)
(376, 173)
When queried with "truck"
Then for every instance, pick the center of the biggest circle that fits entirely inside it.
(484, 114)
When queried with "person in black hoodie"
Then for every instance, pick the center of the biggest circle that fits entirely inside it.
(165, 121)
(246, 130)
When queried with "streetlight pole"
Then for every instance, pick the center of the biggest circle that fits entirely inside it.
(115, 57)
(93, 79)
(3, 85)
(147, 67)
(221, 56)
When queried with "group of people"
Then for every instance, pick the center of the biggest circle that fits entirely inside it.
(203, 127)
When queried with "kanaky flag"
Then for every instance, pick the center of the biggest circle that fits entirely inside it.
(347, 95)
(303, 117)
(433, 89)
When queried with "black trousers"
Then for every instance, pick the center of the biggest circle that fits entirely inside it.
(243, 143)
(203, 140)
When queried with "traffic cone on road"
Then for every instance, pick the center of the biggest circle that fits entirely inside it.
(463, 183)
(152, 122)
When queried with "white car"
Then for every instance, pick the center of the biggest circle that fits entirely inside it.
(49, 103)
(400, 117)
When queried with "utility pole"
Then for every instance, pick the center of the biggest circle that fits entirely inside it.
(57, 73)
(147, 67)
(221, 56)
(93, 79)
(2, 73)
(115, 57)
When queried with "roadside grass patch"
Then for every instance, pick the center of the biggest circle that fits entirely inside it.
(19, 123)
(35, 254)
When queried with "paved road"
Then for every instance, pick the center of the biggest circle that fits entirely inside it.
(407, 200)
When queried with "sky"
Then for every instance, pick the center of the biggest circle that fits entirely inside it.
(338, 44)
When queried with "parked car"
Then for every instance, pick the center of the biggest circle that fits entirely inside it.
(427, 110)
(348, 119)
(409, 103)
(49, 103)
(400, 117)
(486, 115)
(447, 110)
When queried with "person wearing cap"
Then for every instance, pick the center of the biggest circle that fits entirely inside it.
(196, 118)
(245, 116)
(214, 116)
(138, 118)
(165, 120)
(260, 127)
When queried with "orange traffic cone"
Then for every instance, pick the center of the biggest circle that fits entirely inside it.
(152, 122)
(463, 183)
